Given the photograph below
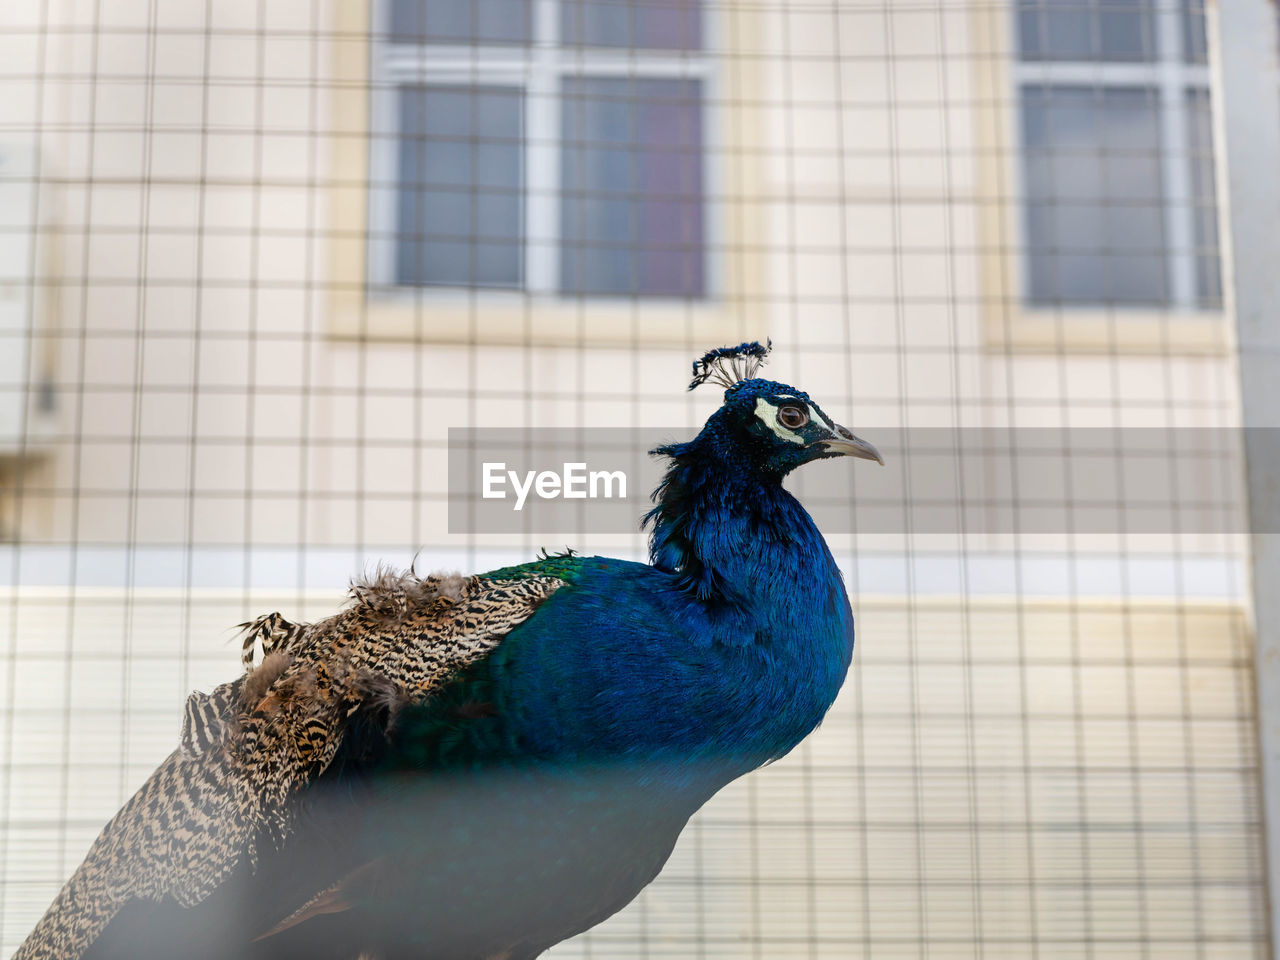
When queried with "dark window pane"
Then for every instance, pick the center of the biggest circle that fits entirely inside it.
(643, 24)
(461, 21)
(1115, 30)
(1194, 42)
(459, 209)
(631, 196)
(1094, 209)
(1204, 199)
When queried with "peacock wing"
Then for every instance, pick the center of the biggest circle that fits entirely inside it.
(250, 748)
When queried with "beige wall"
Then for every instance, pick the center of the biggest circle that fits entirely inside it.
(190, 337)
(1000, 769)
(994, 773)
(1077, 772)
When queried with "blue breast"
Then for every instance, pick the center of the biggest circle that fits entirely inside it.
(625, 665)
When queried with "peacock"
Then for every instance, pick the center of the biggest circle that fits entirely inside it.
(476, 768)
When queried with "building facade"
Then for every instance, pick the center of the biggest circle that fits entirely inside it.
(266, 255)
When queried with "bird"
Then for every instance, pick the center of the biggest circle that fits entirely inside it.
(479, 767)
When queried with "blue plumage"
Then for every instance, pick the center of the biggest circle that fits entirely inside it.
(736, 638)
(547, 783)
(638, 690)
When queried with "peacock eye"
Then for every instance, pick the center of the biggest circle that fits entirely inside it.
(792, 417)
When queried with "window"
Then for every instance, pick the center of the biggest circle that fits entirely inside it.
(1118, 205)
(548, 147)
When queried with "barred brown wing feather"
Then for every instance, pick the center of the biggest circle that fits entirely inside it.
(249, 748)
(205, 718)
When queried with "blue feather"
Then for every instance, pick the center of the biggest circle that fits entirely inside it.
(633, 694)
(545, 786)
(733, 641)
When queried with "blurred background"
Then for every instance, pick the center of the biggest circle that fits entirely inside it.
(257, 256)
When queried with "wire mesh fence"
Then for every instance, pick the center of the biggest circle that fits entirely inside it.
(261, 255)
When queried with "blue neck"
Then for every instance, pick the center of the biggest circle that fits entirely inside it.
(757, 576)
(738, 542)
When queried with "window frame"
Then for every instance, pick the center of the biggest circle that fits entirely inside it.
(1011, 321)
(363, 304)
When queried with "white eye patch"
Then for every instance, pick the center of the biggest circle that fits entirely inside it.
(814, 415)
(767, 412)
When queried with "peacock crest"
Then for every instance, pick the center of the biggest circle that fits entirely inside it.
(728, 366)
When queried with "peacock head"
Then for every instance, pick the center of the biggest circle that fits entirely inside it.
(771, 426)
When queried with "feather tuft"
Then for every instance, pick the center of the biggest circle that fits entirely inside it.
(545, 554)
(260, 679)
(390, 596)
(273, 631)
(727, 366)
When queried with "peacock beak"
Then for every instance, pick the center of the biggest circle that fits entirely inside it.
(850, 446)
